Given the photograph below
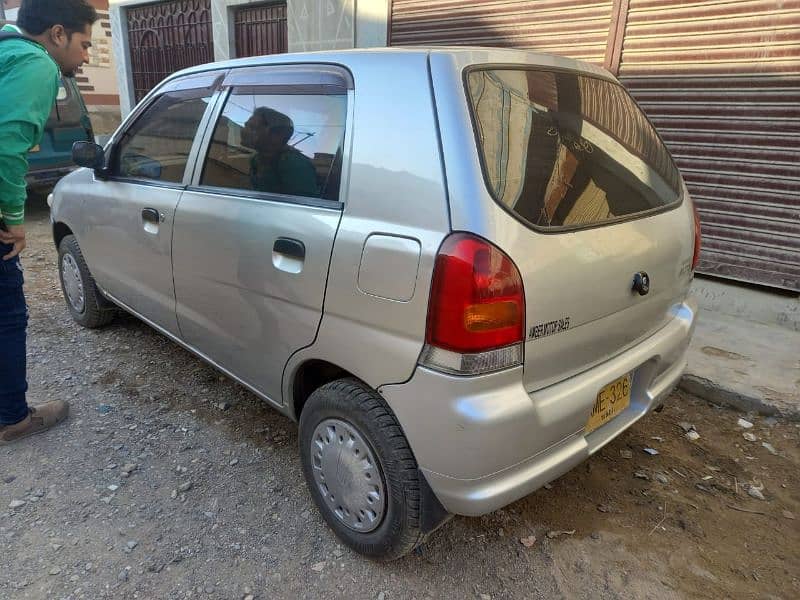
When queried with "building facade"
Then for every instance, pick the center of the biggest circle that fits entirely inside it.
(160, 37)
(720, 80)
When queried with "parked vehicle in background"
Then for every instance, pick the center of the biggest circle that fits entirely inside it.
(463, 271)
(69, 122)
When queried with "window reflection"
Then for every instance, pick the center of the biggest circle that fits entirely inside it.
(278, 144)
(275, 166)
(563, 149)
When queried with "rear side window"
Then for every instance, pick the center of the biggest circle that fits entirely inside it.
(561, 149)
(157, 145)
(287, 144)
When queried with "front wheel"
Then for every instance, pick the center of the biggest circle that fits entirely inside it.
(360, 470)
(84, 301)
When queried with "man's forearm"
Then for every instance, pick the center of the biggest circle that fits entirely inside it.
(13, 189)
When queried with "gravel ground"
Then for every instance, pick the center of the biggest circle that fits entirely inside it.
(171, 481)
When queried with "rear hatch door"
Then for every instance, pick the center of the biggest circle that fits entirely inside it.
(592, 203)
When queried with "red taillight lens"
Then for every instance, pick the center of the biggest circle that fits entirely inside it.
(477, 299)
(696, 257)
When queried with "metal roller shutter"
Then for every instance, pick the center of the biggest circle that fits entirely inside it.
(719, 78)
(721, 81)
(576, 28)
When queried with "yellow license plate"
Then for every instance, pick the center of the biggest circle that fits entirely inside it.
(612, 400)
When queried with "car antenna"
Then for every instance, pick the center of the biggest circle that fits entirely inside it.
(308, 134)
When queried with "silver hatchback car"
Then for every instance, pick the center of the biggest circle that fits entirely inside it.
(463, 271)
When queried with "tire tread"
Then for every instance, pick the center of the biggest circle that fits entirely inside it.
(97, 312)
(407, 535)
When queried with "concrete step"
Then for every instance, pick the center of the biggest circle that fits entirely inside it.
(747, 365)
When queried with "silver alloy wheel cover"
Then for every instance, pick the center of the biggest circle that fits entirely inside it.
(348, 475)
(73, 283)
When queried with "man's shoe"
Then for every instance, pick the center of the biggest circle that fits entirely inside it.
(40, 418)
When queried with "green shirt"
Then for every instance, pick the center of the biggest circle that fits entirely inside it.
(291, 172)
(29, 80)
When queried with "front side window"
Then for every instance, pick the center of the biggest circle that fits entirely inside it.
(288, 144)
(156, 147)
(562, 149)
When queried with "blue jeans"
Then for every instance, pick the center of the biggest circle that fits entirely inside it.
(13, 322)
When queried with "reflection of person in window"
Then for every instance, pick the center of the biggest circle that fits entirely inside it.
(277, 167)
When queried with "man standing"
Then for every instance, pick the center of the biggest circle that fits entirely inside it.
(50, 36)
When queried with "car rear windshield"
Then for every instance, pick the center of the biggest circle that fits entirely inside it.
(566, 150)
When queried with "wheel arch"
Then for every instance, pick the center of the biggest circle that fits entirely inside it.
(60, 231)
(307, 378)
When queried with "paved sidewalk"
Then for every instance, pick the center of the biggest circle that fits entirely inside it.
(744, 364)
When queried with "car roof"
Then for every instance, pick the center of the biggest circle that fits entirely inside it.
(466, 55)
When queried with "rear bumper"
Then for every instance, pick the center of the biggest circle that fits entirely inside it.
(484, 442)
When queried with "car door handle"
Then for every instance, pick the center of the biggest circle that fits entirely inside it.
(151, 215)
(290, 247)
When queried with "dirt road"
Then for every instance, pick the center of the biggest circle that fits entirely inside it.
(170, 481)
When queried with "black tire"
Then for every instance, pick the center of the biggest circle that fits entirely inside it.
(94, 310)
(361, 408)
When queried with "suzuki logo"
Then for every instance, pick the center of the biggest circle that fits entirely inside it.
(641, 283)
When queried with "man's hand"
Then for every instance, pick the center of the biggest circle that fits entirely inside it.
(14, 236)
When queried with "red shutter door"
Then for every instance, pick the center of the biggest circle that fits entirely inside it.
(575, 28)
(721, 81)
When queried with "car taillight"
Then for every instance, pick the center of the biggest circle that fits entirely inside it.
(476, 314)
(696, 257)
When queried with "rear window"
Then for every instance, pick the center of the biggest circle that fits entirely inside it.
(561, 149)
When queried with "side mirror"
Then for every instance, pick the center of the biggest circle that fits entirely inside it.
(88, 154)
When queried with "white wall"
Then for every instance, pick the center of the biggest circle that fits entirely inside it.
(321, 24)
(119, 42)
(372, 20)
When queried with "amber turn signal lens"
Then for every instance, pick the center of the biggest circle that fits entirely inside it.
(487, 317)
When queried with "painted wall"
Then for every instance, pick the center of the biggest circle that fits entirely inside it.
(321, 24)
(98, 79)
(312, 24)
(372, 17)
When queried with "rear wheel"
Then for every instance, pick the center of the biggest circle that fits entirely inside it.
(360, 470)
(84, 301)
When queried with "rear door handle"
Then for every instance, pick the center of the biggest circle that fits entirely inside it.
(151, 215)
(290, 247)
